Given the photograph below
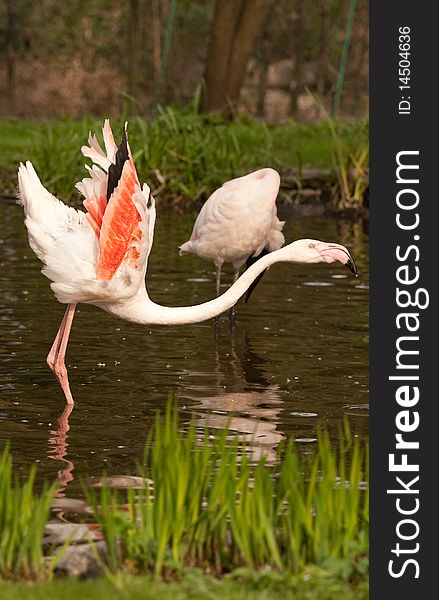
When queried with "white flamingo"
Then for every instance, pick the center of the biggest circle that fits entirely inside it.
(100, 256)
(238, 224)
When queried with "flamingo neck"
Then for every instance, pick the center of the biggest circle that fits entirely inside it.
(144, 311)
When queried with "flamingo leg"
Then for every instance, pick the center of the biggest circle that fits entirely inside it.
(218, 285)
(56, 356)
(218, 280)
(51, 357)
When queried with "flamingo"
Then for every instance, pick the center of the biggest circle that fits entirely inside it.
(238, 224)
(99, 256)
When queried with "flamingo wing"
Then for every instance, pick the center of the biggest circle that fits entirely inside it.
(120, 212)
(58, 234)
(99, 255)
(47, 219)
(120, 233)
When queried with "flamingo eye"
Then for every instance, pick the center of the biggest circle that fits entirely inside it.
(311, 245)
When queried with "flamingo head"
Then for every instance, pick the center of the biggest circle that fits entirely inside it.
(315, 251)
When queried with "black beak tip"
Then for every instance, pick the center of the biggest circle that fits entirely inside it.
(352, 267)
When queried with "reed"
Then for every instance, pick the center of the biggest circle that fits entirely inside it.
(23, 516)
(180, 153)
(352, 169)
(205, 504)
(350, 159)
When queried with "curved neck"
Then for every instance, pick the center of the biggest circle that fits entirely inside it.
(144, 311)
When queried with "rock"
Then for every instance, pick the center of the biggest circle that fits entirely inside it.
(58, 533)
(82, 560)
(71, 505)
(123, 481)
(277, 104)
(280, 74)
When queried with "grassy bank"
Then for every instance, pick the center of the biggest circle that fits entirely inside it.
(23, 515)
(208, 504)
(205, 511)
(314, 584)
(184, 156)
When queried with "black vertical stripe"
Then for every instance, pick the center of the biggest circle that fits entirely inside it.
(250, 261)
(115, 170)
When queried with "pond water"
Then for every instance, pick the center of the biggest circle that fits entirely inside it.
(298, 355)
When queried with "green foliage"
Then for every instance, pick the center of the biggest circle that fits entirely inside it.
(193, 584)
(23, 516)
(351, 166)
(206, 504)
(350, 160)
(182, 154)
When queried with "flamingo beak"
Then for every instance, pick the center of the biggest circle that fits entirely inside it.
(352, 266)
(336, 252)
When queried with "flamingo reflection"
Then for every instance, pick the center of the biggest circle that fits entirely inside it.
(58, 445)
(257, 428)
(251, 410)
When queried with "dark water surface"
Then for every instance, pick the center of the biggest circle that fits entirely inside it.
(298, 355)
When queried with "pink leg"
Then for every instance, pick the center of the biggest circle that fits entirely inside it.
(51, 357)
(55, 358)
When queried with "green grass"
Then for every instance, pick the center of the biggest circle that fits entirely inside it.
(313, 584)
(180, 153)
(351, 163)
(23, 515)
(205, 505)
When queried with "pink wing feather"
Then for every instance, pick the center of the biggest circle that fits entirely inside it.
(120, 225)
(116, 221)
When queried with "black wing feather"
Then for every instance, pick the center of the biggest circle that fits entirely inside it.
(115, 170)
(250, 261)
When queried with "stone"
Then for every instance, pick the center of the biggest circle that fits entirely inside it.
(82, 560)
(58, 533)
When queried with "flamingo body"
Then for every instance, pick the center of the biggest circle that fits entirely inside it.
(238, 220)
(99, 256)
(238, 223)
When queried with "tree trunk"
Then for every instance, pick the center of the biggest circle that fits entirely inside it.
(220, 45)
(250, 20)
(235, 27)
